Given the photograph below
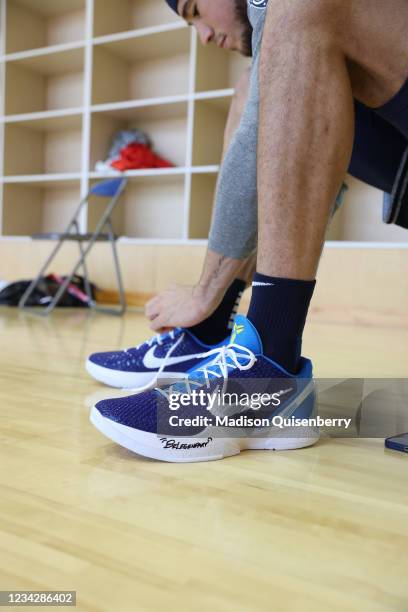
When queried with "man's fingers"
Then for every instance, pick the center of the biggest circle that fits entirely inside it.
(152, 308)
(158, 324)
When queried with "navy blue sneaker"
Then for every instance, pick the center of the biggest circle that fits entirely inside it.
(170, 355)
(237, 399)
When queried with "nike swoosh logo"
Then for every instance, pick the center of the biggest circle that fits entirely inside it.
(151, 362)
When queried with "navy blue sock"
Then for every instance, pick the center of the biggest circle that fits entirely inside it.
(278, 309)
(218, 326)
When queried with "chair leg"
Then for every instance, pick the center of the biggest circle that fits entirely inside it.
(87, 283)
(122, 296)
(80, 262)
(30, 289)
(61, 290)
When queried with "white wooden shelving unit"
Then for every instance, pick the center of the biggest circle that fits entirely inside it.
(73, 72)
(76, 71)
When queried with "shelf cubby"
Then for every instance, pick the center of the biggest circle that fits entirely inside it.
(141, 67)
(45, 82)
(151, 208)
(33, 24)
(111, 16)
(203, 188)
(210, 117)
(45, 146)
(229, 67)
(166, 126)
(68, 85)
(37, 207)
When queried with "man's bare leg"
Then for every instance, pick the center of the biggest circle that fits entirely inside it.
(312, 59)
(311, 51)
(305, 135)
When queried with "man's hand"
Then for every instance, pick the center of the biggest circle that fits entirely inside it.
(185, 306)
(179, 306)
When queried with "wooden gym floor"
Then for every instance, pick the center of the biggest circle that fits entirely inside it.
(320, 529)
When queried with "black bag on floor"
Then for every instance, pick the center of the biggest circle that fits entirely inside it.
(75, 296)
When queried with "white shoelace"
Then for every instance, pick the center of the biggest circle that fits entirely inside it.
(217, 368)
(157, 339)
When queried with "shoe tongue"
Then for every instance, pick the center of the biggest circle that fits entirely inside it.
(165, 336)
(245, 334)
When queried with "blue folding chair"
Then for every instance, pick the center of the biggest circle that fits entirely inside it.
(111, 189)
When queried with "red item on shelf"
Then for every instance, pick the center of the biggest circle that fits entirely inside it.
(137, 157)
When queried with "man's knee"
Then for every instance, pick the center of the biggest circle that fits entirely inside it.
(287, 19)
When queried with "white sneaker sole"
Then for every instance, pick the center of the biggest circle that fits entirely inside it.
(126, 380)
(204, 448)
